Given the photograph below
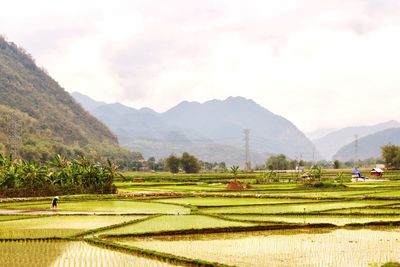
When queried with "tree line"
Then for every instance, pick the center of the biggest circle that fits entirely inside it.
(390, 155)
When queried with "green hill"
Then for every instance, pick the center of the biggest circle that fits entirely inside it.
(40, 118)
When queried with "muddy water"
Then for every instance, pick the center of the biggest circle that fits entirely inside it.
(336, 248)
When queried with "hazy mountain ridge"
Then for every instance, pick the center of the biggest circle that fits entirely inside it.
(198, 128)
(330, 144)
(369, 146)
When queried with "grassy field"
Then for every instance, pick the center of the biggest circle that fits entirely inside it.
(189, 219)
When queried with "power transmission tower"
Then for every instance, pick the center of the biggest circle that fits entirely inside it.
(356, 160)
(13, 130)
(247, 164)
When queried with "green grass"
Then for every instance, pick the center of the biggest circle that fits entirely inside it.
(58, 226)
(173, 222)
(101, 206)
(294, 208)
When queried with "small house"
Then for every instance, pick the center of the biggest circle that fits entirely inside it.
(355, 174)
(377, 172)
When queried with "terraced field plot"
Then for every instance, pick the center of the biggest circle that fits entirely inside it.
(295, 208)
(386, 211)
(309, 219)
(207, 204)
(12, 217)
(228, 201)
(337, 248)
(128, 206)
(58, 226)
(172, 223)
(60, 253)
(175, 188)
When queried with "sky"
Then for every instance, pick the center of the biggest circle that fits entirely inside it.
(320, 64)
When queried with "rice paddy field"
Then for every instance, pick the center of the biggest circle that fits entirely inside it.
(193, 220)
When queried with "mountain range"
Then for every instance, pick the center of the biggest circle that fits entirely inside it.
(369, 146)
(213, 130)
(38, 118)
(330, 144)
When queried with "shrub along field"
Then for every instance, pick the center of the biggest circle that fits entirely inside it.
(151, 219)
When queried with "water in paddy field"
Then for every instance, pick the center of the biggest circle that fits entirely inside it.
(336, 248)
(65, 254)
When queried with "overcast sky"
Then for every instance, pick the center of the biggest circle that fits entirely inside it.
(330, 63)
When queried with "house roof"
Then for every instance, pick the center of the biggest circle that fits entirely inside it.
(377, 170)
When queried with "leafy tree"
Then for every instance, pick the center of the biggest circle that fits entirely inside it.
(391, 155)
(316, 172)
(278, 162)
(172, 163)
(151, 162)
(190, 163)
(336, 164)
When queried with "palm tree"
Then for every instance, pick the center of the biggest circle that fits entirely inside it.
(235, 171)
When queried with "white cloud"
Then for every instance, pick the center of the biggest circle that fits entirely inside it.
(318, 63)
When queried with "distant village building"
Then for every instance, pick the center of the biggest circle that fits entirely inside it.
(377, 172)
(356, 174)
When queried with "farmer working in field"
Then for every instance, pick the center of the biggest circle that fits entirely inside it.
(55, 202)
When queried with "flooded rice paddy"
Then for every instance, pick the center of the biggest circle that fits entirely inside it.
(66, 254)
(366, 247)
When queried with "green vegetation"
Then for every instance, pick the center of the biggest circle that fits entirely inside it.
(293, 208)
(228, 201)
(39, 119)
(58, 226)
(173, 222)
(173, 209)
(20, 177)
(189, 163)
(125, 206)
(391, 155)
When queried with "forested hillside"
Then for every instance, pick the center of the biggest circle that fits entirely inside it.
(39, 118)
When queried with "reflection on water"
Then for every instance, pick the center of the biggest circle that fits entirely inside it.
(336, 248)
(58, 253)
